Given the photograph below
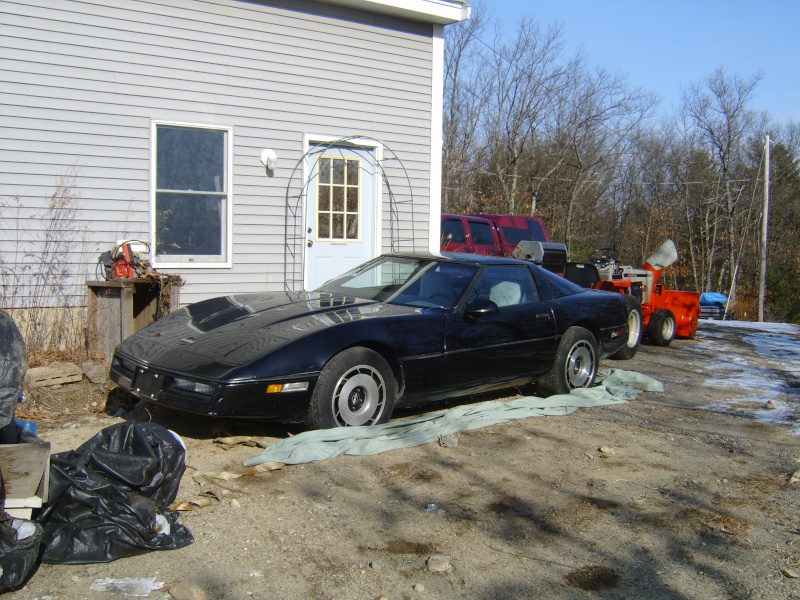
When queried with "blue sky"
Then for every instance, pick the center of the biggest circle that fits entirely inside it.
(664, 46)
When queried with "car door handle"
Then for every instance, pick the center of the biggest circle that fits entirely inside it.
(543, 316)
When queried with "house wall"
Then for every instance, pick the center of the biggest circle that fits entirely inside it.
(81, 81)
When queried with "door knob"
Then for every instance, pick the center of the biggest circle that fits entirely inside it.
(310, 243)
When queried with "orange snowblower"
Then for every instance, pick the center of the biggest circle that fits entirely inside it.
(665, 313)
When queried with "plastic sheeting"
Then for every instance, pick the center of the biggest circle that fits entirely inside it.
(615, 386)
(13, 366)
(108, 499)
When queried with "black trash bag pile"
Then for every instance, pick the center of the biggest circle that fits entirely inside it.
(108, 499)
(13, 366)
(19, 538)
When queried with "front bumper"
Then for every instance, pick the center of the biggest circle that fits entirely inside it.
(219, 399)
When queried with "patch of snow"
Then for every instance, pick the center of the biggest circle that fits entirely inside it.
(771, 327)
(771, 390)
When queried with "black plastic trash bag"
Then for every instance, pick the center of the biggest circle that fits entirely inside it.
(19, 550)
(13, 366)
(108, 499)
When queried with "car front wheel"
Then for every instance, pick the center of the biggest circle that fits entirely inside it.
(356, 387)
(575, 364)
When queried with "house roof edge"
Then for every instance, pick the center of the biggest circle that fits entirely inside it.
(440, 12)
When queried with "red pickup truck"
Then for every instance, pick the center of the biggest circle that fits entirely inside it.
(491, 234)
(470, 234)
(499, 235)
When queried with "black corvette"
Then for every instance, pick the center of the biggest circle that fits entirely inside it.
(400, 330)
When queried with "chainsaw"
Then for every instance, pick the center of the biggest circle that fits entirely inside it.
(124, 260)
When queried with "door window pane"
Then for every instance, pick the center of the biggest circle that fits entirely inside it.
(324, 227)
(338, 227)
(352, 200)
(325, 170)
(338, 198)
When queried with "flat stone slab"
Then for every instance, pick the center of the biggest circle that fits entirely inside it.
(53, 375)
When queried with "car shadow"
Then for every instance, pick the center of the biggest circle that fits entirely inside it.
(202, 427)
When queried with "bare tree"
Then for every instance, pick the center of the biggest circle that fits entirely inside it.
(718, 109)
(525, 74)
(597, 123)
(464, 101)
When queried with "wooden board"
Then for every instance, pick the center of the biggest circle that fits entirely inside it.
(25, 467)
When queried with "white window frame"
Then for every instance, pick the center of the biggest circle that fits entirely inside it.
(371, 145)
(170, 262)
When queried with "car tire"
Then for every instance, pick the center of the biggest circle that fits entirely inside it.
(575, 364)
(634, 310)
(661, 329)
(355, 387)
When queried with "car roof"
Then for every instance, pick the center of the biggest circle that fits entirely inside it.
(461, 257)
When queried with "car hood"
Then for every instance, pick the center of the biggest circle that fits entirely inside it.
(235, 330)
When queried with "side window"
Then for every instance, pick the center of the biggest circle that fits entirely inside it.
(191, 202)
(535, 227)
(441, 285)
(481, 233)
(515, 235)
(454, 228)
(506, 286)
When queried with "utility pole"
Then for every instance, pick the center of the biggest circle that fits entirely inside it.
(762, 271)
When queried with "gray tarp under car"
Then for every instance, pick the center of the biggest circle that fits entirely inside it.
(13, 365)
(615, 387)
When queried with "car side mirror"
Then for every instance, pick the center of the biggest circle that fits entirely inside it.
(481, 307)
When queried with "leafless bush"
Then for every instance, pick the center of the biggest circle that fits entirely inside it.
(42, 280)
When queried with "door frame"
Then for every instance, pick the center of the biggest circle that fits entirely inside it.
(376, 148)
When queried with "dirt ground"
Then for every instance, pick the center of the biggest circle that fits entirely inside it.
(682, 502)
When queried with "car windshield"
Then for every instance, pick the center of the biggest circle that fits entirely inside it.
(404, 280)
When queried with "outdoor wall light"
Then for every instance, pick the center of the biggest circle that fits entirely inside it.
(269, 158)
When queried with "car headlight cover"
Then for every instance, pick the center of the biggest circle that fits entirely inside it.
(192, 386)
(123, 364)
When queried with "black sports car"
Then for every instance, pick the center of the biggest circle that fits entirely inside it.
(400, 330)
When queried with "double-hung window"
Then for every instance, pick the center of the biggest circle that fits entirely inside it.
(191, 207)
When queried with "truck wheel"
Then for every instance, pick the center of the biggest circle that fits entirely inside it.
(575, 364)
(634, 308)
(355, 387)
(661, 329)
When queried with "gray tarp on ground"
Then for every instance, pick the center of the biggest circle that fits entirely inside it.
(615, 387)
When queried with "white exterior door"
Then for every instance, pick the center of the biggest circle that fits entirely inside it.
(340, 212)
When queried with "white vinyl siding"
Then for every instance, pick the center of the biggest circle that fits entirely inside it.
(82, 81)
